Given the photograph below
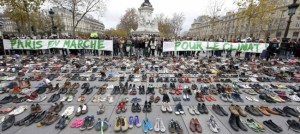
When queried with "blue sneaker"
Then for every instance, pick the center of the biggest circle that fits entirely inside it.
(145, 126)
(149, 124)
(137, 121)
(130, 121)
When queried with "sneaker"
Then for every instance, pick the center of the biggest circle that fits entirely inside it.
(162, 127)
(293, 125)
(117, 125)
(156, 126)
(213, 126)
(145, 126)
(137, 121)
(124, 124)
(149, 124)
(130, 121)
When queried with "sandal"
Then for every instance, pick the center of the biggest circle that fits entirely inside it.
(157, 99)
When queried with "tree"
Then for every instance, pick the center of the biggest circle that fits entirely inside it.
(176, 23)
(164, 25)
(256, 13)
(129, 20)
(116, 32)
(80, 8)
(20, 12)
(214, 9)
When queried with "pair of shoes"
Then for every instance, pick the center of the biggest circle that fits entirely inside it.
(147, 125)
(69, 111)
(87, 91)
(174, 126)
(210, 98)
(88, 123)
(67, 97)
(195, 125)
(166, 107)
(186, 97)
(271, 125)
(81, 98)
(159, 125)
(35, 108)
(136, 107)
(192, 110)
(213, 126)
(219, 110)
(102, 125)
(179, 109)
(255, 126)
(54, 98)
(150, 90)
(63, 122)
(291, 111)
(165, 98)
(280, 112)
(202, 108)
(121, 124)
(252, 110)
(56, 107)
(101, 109)
(81, 110)
(236, 123)
(226, 97)
(121, 108)
(134, 121)
(50, 119)
(199, 97)
(237, 110)
(147, 107)
(116, 90)
(141, 89)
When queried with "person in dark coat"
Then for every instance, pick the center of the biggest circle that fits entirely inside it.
(272, 48)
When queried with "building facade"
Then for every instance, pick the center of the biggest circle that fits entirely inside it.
(85, 26)
(233, 26)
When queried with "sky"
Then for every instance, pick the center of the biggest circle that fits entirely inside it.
(190, 8)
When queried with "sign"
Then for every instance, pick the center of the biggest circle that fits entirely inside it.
(208, 46)
(30, 44)
(94, 34)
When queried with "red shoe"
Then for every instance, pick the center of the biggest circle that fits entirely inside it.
(177, 92)
(119, 108)
(212, 98)
(208, 98)
(187, 80)
(123, 107)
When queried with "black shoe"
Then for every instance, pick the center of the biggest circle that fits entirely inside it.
(240, 124)
(89, 91)
(200, 108)
(266, 98)
(22, 121)
(293, 125)
(8, 122)
(271, 125)
(233, 122)
(291, 111)
(138, 108)
(133, 108)
(222, 110)
(252, 110)
(56, 97)
(281, 112)
(149, 109)
(84, 91)
(205, 110)
(145, 107)
(217, 110)
(40, 116)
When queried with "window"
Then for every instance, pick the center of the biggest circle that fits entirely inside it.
(298, 23)
(296, 34)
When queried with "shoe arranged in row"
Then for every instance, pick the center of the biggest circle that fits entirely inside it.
(237, 110)
(54, 98)
(121, 124)
(101, 125)
(121, 107)
(236, 123)
(213, 126)
(8, 122)
(136, 108)
(202, 108)
(18, 110)
(101, 109)
(67, 97)
(179, 109)
(255, 126)
(134, 121)
(219, 110)
(159, 125)
(175, 127)
(193, 111)
(63, 122)
(195, 125)
(147, 107)
(166, 107)
(81, 110)
(88, 123)
(147, 125)
(271, 125)
(154, 99)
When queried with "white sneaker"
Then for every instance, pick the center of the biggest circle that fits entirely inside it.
(156, 126)
(110, 99)
(191, 110)
(163, 107)
(249, 99)
(168, 107)
(70, 98)
(254, 99)
(196, 111)
(19, 110)
(161, 125)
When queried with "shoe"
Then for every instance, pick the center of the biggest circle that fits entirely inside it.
(200, 108)
(205, 110)
(191, 110)
(233, 122)
(178, 128)
(263, 110)
(217, 110)
(213, 126)
(163, 107)
(98, 125)
(137, 122)
(172, 126)
(130, 122)
(293, 125)
(271, 125)
(156, 126)
(233, 110)
(162, 127)
(240, 111)
(7, 123)
(101, 109)
(252, 110)
(198, 126)
(192, 125)
(124, 124)
(291, 111)
(145, 126)
(117, 124)
(179, 109)
(168, 107)
(149, 124)
(252, 124)
(241, 124)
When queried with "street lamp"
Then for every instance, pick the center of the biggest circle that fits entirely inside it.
(291, 11)
(51, 13)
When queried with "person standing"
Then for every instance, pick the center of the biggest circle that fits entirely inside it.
(152, 46)
(289, 49)
(128, 47)
(272, 48)
(141, 46)
(121, 45)
(159, 47)
(116, 46)
(146, 47)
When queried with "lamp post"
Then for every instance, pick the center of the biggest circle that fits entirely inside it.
(291, 11)
(51, 13)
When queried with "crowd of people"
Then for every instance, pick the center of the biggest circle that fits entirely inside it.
(153, 46)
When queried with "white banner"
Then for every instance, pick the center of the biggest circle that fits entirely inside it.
(208, 46)
(30, 44)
